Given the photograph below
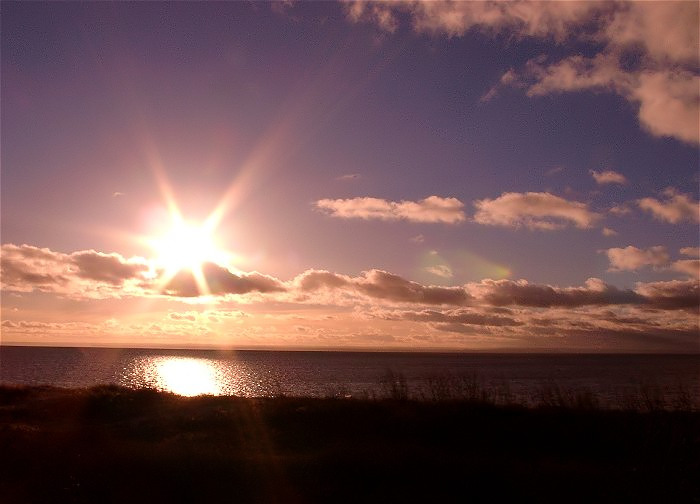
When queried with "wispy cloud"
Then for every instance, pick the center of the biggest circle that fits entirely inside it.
(430, 209)
(608, 177)
(348, 177)
(676, 208)
(441, 270)
(534, 210)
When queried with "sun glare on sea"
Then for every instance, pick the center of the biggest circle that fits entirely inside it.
(187, 377)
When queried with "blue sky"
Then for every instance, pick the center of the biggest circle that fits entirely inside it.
(445, 144)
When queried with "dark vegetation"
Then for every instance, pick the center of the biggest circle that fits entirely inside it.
(111, 444)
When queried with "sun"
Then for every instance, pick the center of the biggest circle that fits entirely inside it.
(187, 246)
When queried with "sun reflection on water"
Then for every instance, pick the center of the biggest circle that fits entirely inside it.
(190, 375)
(186, 376)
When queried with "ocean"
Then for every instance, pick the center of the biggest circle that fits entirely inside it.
(613, 379)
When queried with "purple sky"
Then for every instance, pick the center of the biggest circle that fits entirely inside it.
(413, 175)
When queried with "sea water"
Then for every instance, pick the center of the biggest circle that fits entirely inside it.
(613, 379)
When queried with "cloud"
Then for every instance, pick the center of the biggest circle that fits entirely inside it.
(430, 209)
(677, 207)
(674, 294)
(667, 98)
(441, 270)
(663, 36)
(189, 316)
(458, 316)
(690, 267)
(609, 232)
(221, 281)
(26, 268)
(534, 210)
(691, 251)
(379, 284)
(349, 176)
(110, 268)
(523, 293)
(417, 239)
(372, 11)
(668, 32)
(93, 274)
(608, 177)
(668, 104)
(621, 209)
(539, 19)
(632, 258)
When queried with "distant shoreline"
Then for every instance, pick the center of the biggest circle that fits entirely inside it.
(359, 350)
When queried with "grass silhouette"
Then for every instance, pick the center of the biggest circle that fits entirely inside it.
(458, 444)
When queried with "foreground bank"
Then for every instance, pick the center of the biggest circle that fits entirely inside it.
(110, 444)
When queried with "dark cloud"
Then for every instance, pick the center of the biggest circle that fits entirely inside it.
(25, 267)
(671, 295)
(522, 293)
(221, 281)
(110, 268)
(383, 285)
(379, 284)
(312, 280)
(17, 274)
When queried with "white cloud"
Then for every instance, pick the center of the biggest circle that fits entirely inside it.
(608, 177)
(677, 207)
(534, 210)
(609, 232)
(668, 104)
(430, 209)
(632, 258)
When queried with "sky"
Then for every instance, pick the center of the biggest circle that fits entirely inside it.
(475, 176)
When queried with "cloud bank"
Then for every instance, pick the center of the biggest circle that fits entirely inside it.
(655, 315)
